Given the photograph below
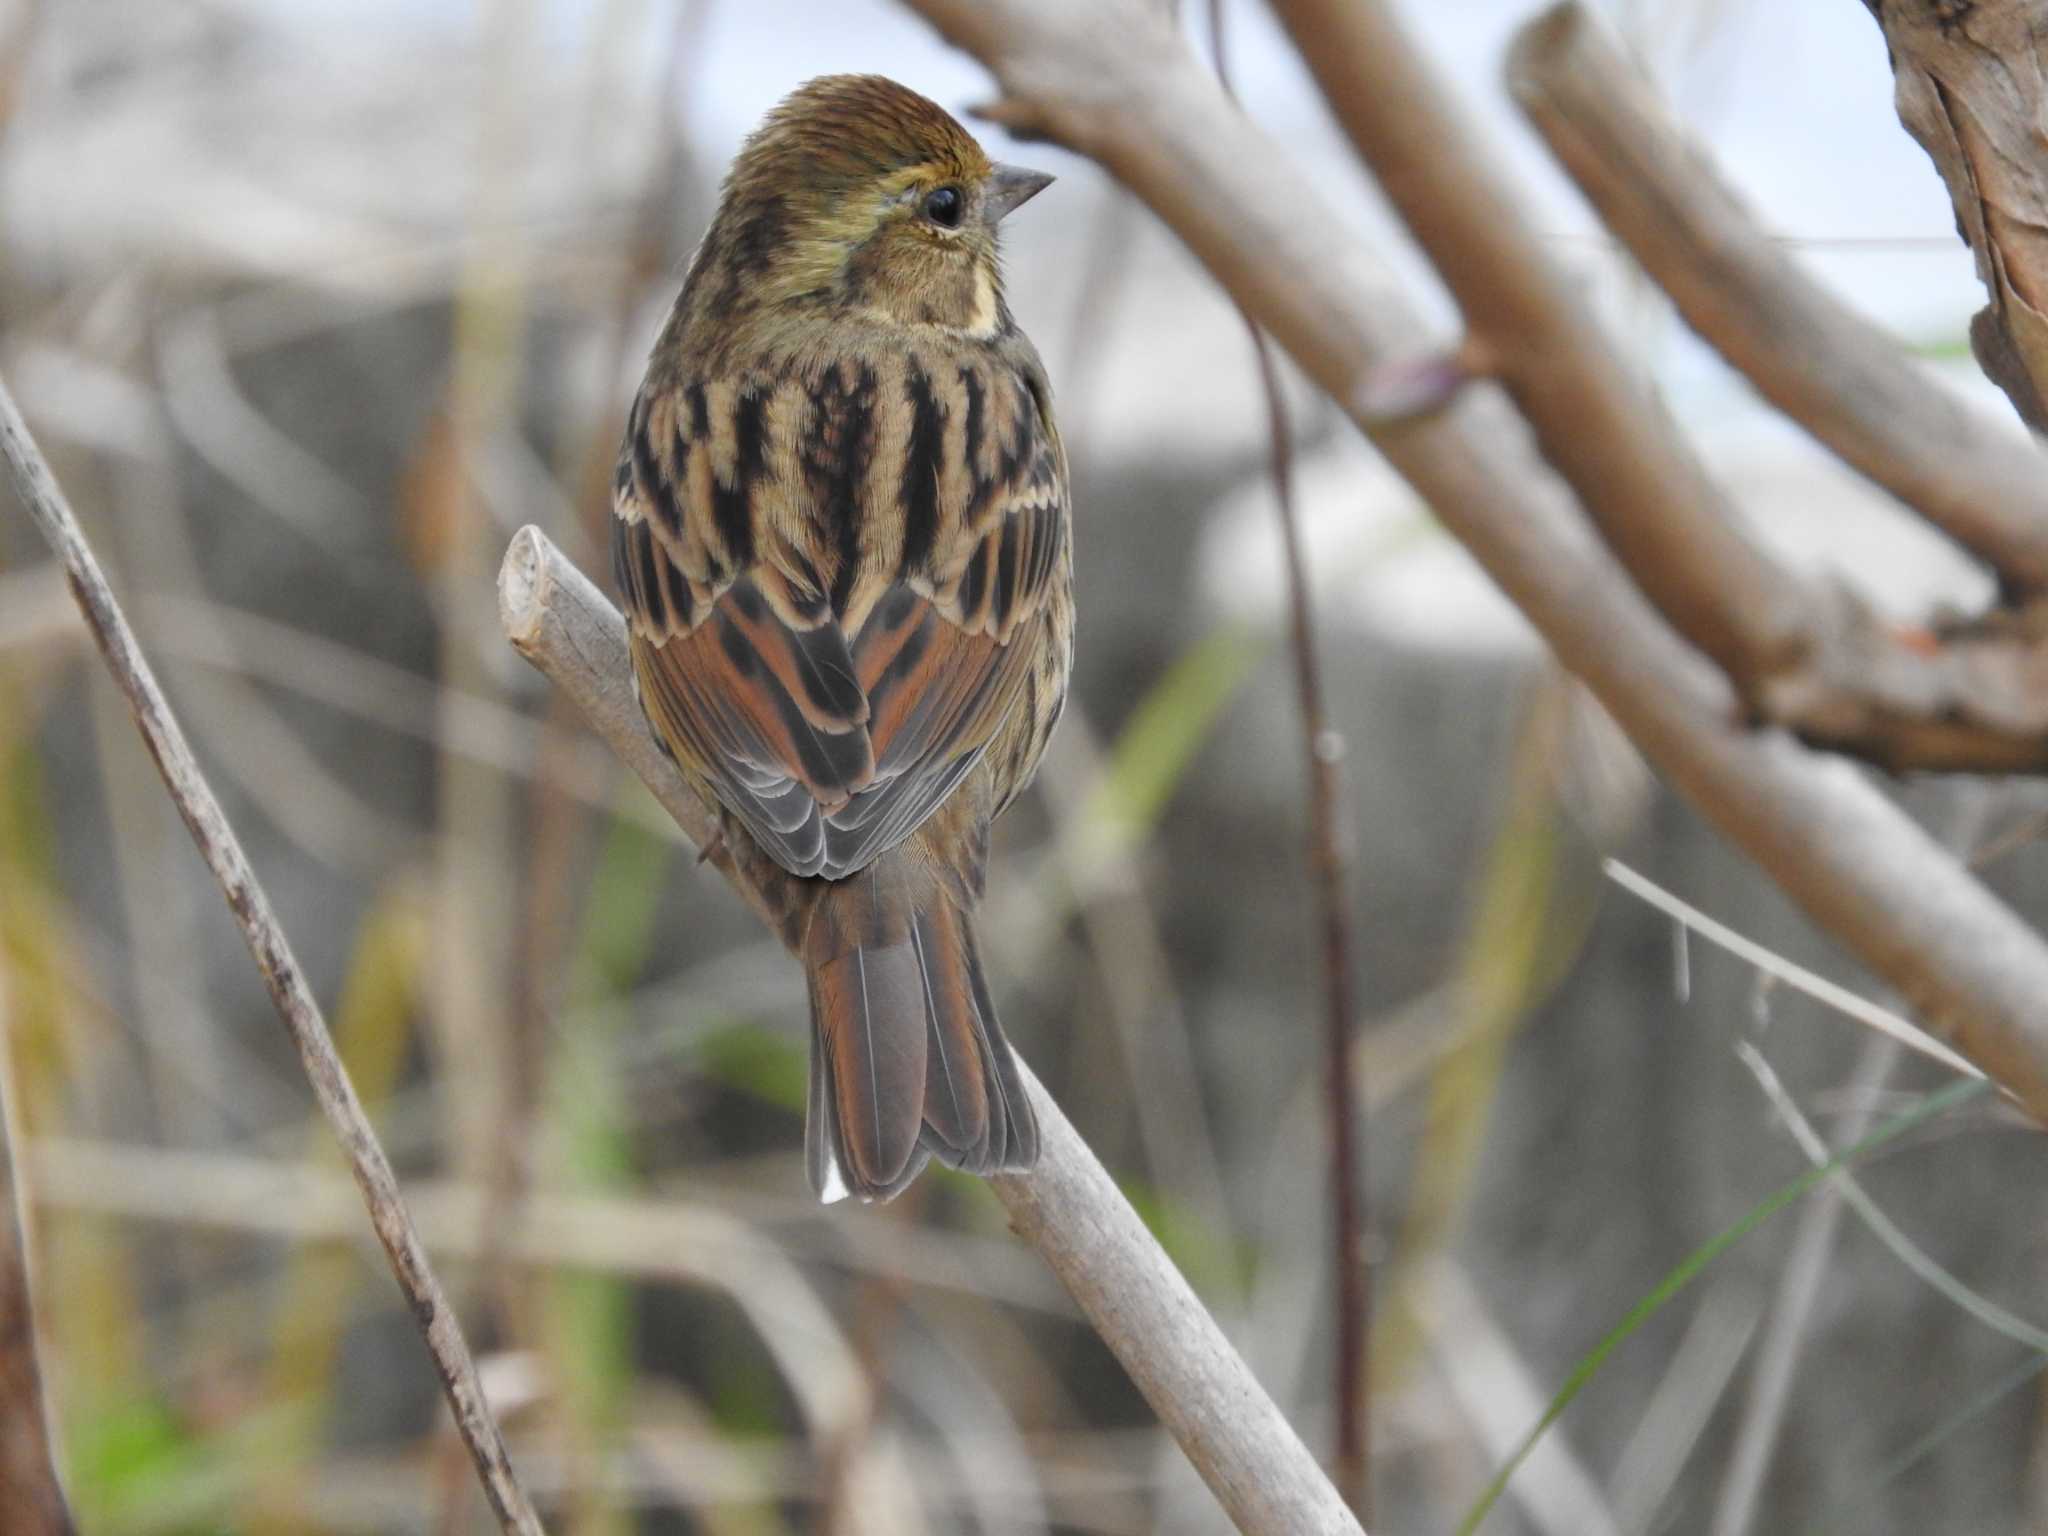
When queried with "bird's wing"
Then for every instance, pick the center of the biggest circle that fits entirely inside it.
(832, 586)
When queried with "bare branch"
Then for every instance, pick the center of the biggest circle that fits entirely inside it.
(1651, 497)
(1830, 994)
(1109, 78)
(1850, 682)
(1806, 351)
(1968, 697)
(222, 851)
(32, 1499)
(1068, 1207)
(1973, 89)
(1329, 874)
(1330, 880)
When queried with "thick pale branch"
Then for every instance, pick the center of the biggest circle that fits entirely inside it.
(1110, 79)
(1808, 353)
(293, 998)
(1839, 679)
(1974, 701)
(1068, 1207)
(1632, 470)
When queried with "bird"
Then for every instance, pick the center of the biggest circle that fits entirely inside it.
(841, 533)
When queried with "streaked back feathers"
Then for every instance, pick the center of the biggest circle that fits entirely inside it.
(841, 536)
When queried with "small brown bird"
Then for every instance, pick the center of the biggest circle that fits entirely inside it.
(841, 533)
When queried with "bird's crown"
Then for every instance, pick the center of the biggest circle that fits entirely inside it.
(846, 130)
(856, 202)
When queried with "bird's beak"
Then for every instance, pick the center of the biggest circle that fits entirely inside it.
(1010, 186)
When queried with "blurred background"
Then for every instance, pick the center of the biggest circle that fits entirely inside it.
(314, 305)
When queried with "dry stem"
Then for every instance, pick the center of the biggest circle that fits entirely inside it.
(1329, 874)
(287, 985)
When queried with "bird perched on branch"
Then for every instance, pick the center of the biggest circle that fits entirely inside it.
(841, 533)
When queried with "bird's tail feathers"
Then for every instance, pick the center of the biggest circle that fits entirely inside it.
(907, 1059)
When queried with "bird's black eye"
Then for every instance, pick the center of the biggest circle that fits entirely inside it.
(943, 207)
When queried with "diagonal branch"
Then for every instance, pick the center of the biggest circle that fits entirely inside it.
(1806, 351)
(1068, 1208)
(293, 998)
(1110, 79)
(1830, 670)
(1634, 473)
(1972, 696)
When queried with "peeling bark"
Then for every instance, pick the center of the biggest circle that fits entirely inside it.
(1972, 87)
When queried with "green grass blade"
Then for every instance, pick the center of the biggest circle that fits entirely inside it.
(1882, 1227)
(1696, 1262)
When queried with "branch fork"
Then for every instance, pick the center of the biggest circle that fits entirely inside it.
(1619, 549)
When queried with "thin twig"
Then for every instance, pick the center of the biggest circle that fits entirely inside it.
(1329, 868)
(1799, 1285)
(1329, 873)
(1918, 1260)
(32, 1499)
(1833, 994)
(1068, 1207)
(287, 985)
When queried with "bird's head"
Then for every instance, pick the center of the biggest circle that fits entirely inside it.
(857, 195)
